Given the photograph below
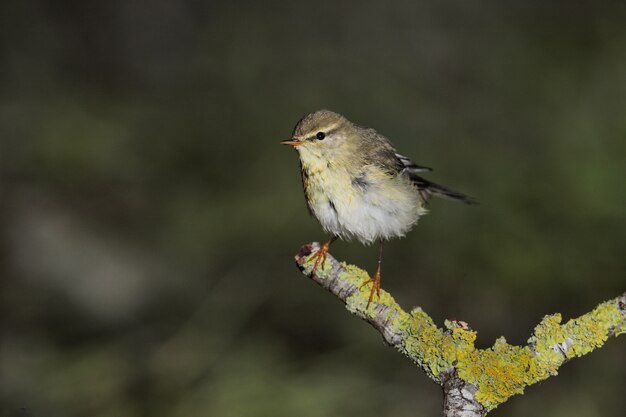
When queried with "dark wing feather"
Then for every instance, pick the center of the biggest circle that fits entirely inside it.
(378, 150)
(427, 188)
(410, 165)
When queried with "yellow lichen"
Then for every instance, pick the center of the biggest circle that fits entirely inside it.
(353, 274)
(590, 331)
(548, 335)
(497, 372)
(359, 300)
(424, 343)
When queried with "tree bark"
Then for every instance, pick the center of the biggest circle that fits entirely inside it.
(474, 381)
(459, 398)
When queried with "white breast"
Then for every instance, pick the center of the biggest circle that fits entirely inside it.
(382, 207)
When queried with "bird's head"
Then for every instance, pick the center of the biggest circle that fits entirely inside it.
(320, 133)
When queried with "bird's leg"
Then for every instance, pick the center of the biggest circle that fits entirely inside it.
(320, 255)
(375, 280)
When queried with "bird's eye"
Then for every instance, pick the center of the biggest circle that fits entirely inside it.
(320, 135)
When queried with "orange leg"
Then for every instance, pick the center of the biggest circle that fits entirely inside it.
(320, 255)
(375, 280)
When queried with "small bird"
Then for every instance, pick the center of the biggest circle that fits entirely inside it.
(356, 184)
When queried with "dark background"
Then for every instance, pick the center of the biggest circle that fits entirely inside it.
(149, 216)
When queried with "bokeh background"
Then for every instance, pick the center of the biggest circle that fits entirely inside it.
(149, 217)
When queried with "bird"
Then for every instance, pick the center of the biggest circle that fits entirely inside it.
(358, 186)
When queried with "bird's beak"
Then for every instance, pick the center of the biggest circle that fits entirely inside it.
(292, 142)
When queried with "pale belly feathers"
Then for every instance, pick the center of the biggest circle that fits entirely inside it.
(365, 207)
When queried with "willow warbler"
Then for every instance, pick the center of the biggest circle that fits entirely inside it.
(357, 185)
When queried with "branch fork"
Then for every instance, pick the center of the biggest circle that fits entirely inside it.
(474, 381)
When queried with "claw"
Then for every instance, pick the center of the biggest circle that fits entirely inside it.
(320, 256)
(375, 281)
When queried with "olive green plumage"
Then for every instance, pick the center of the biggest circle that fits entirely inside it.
(355, 182)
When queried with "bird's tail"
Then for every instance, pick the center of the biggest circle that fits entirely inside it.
(427, 188)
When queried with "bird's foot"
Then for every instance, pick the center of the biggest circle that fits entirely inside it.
(375, 281)
(320, 256)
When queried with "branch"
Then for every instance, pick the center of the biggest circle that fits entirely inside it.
(474, 381)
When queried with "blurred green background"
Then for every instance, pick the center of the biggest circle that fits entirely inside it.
(150, 218)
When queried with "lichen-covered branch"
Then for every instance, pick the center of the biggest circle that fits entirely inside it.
(475, 381)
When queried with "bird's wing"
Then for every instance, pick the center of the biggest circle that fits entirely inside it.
(410, 165)
(378, 150)
(425, 187)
